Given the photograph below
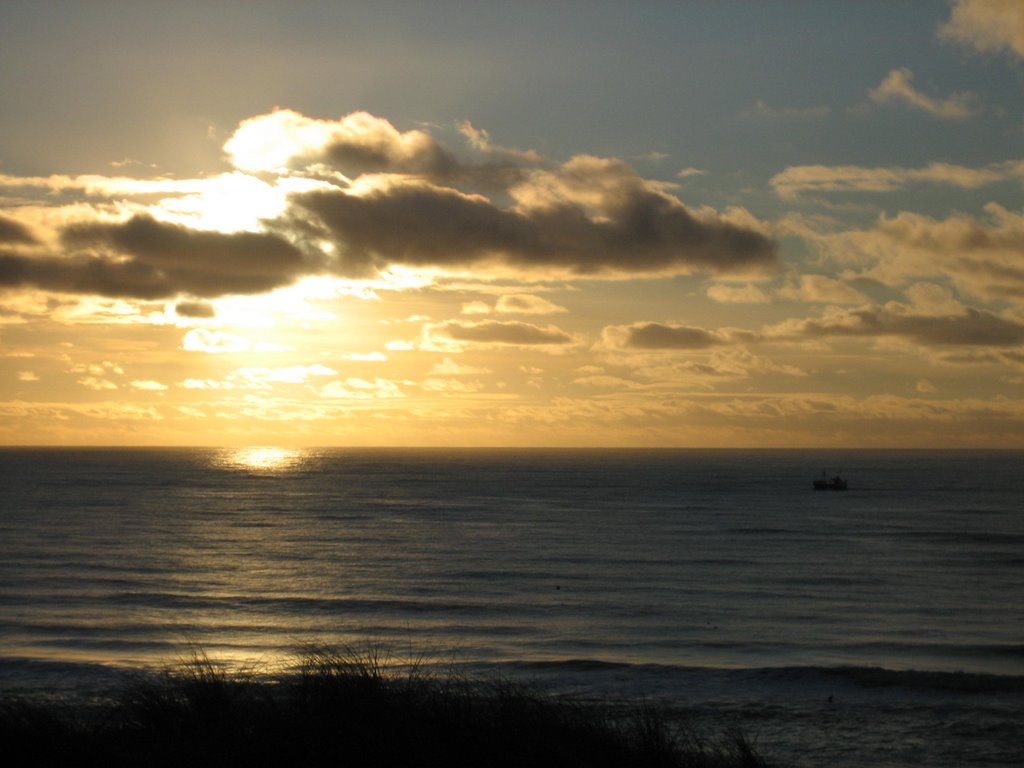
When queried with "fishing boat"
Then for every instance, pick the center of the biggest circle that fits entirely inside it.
(826, 483)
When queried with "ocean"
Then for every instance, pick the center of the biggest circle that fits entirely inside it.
(878, 626)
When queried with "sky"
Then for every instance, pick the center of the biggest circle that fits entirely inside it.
(728, 224)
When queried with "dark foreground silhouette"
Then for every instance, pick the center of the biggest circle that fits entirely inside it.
(339, 708)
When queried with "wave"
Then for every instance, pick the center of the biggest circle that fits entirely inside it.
(954, 682)
(299, 605)
(811, 677)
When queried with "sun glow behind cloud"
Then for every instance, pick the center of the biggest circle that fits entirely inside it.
(232, 202)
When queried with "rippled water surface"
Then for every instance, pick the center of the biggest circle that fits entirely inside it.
(718, 580)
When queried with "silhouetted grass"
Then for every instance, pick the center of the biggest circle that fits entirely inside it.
(342, 707)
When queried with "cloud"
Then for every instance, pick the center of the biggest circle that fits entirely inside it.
(502, 333)
(192, 383)
(525, 304)
(387, 199)
(590, 217)
(988, 25)
(448, 367)
(434, 384)
(97, 384)
(823, 289)
(761, 109)
(226, 202)
(970, 327)
(986, 259)
(605, 381)
(897, 87)
(881, 413)
(854, 178)
(213, 342)
(12, 231)
(197, 309)
(361, 389)
(983, 257)
(651, 157)
(97, 185)
(357, 144)
(260, 378)
(148, 385)
(82, 274)
(147, 259)
(662, 336)
(264, 378)
(480, 140)
(477, 137)
(738, 294)
(183, 260)
(476, 308)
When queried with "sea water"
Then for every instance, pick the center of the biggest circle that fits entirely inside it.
(878, 626)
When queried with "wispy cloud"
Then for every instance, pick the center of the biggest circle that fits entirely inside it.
(762, 109)
(897, 88)
(261, 378)
(214, 342)
(149, 385)
(449, 367)
(354, 388)
(514, 304)
(822, 289)
(526, 304)
(738, 294)
(855, 178)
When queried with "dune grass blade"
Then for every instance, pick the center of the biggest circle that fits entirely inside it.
(351, 707)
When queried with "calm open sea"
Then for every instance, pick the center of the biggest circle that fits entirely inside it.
(717, 581)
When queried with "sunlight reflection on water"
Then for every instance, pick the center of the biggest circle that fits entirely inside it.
(260, 458)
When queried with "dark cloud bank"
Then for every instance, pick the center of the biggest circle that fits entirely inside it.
(422, 225)
(146, 259)
(590, 217)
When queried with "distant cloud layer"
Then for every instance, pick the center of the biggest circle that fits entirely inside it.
(970, 327)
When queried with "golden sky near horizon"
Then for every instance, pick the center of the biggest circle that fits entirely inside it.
(696, 225)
